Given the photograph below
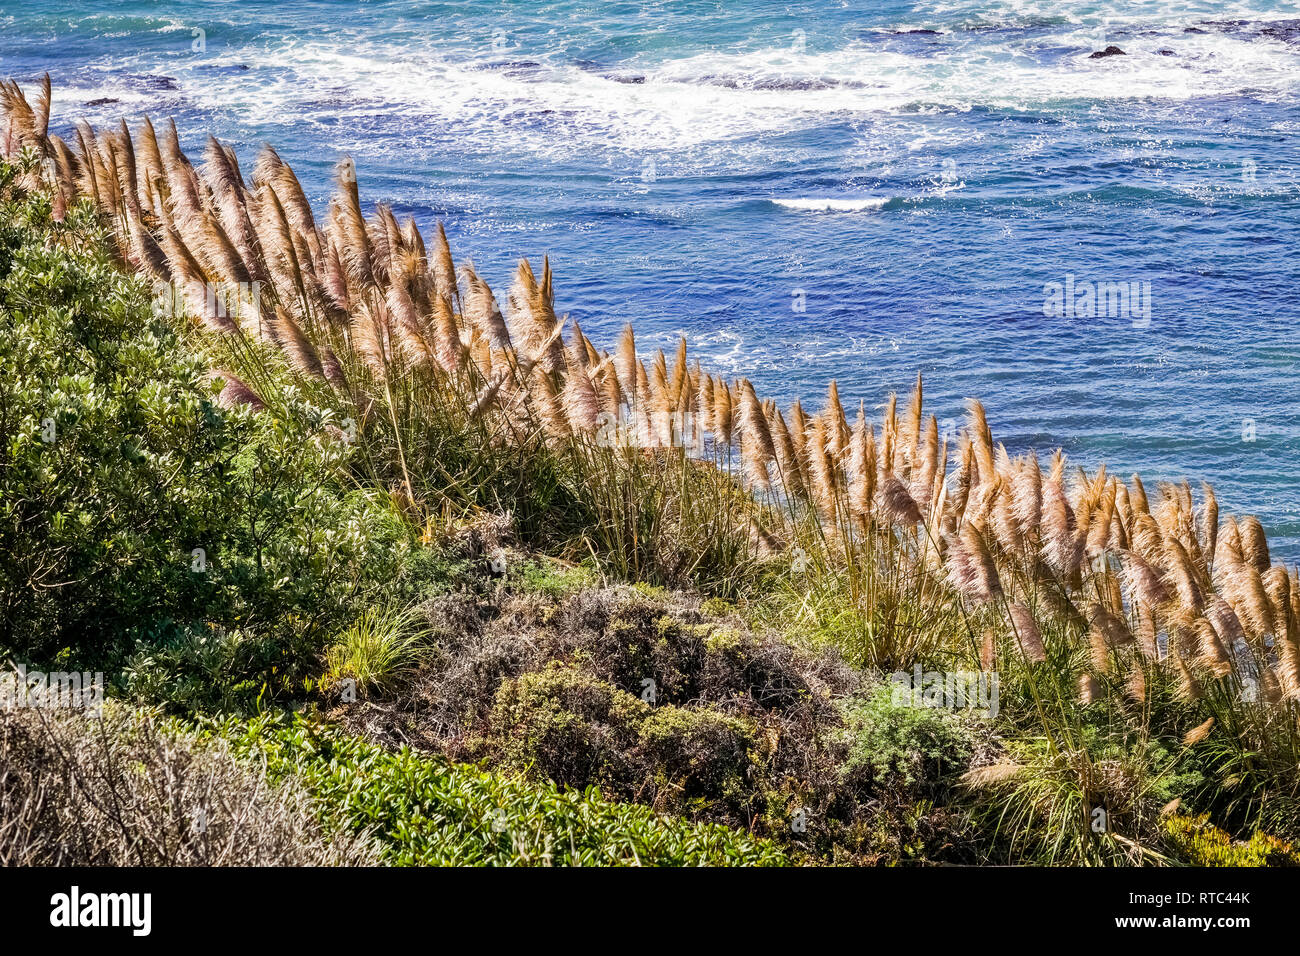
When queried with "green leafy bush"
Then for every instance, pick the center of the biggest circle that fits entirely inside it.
(134, 505)
(568, 726)
(702, 755)
(903, 748)
(426, 811)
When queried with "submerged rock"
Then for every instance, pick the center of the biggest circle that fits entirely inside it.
(1109, 51)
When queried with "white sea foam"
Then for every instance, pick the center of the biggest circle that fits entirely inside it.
(546, 104)
(833, 205)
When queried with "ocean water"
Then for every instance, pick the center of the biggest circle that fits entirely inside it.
(812, 190)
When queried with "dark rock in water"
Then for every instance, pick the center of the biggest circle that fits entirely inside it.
(155, 82)
(1166, 52)
(1109, 51)
(928, 33)
(784, 84)
(103, 101)
(714, 79)
(1287, 30)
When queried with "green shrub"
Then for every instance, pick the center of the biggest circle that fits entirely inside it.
(901, 748)
(701, 755)
(194, 668)
(134, 506)
(564, 725)
(1196, 841)
(567, 726)
(428, 812)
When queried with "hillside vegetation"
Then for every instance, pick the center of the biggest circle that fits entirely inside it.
(453, 585)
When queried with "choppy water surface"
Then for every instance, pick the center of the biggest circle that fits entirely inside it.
(912, 175)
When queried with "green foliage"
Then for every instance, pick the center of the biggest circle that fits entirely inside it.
(901, 748)
(564, 725)
(1248, 765)
(568, 727)
(428, 812)
(703, 755)
(1197, 842)
(376, 649)
(194, 669)
(135, 507)
(550, 578)
(1095, 805)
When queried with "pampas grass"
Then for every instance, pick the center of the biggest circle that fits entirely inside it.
(875, 535)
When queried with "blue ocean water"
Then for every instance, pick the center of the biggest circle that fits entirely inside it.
(811, 190)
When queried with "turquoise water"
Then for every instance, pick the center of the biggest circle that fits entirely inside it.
(913, 175)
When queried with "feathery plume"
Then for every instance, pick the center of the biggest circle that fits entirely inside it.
(1254, 546)
(1211, 636)
(1027, 494)
(757, 447)
(1028, 636)
(352, 240)
(970, 567)
(1138, 497)
(296, 346)
(896, 504)
(1060, 547)
(837, 426)
(332, 369)
(1198, 733)
(1089, 689)
(1244, 590)
(981, 440)
(1182, 575)
(580, 400)
(1144, 581)
(444, 269)
(237, 393)
(723, 419)
(862, 466)
(992, 775)
(1209, 522)
(911, 438)
(451, 350)
(482, 312)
